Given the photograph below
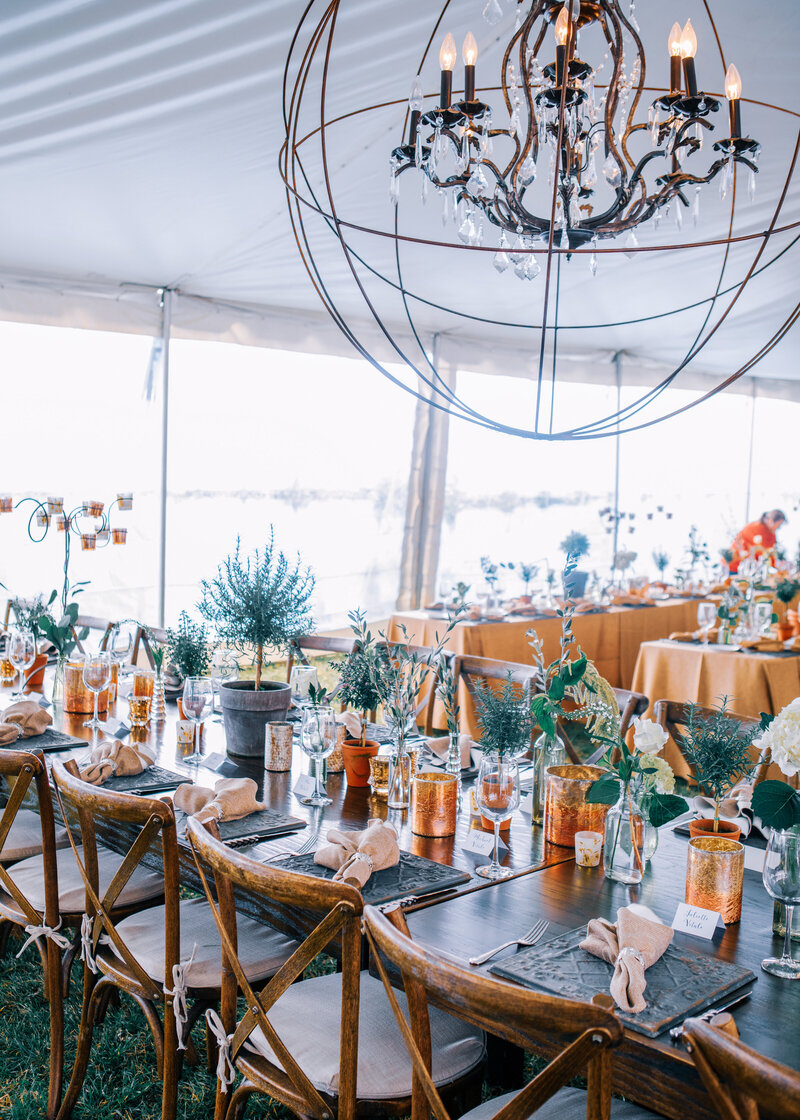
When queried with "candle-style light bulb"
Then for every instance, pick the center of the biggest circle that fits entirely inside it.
(447, 54)
(561, 29)
(675, 36)
(416, 96)
(688, 41)
(733, 84)
(469, 50)
(576, 10)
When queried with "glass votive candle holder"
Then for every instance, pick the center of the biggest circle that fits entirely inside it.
(143, 683)
(92, 508)
(300, 678)
(140, 710)
(278, 741)
(335, 760)
(88, 542)
(434, 804)
(113, 682)
(379, 775)
(119, 536)
(78, 699)
(42, 519)
(61, 522)
(714, 876)
(55, 505)
(102, 536)
(125, 501)
(6, 503)
(185, 732)
(566, 810)
(588, 846)
(7, 671)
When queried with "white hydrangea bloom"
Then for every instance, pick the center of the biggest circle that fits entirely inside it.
(658, 776)
(782, 737)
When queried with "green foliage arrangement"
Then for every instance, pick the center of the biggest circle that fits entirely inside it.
(557, 680)
(622, 765)
(777, 804)
(661, 561)
(527, 572)
(188, 647)
(575, 544)
(61, 632)
(363, 684)
(259, 603)
(786, 590)
(29, 614)
(461, 590)
(447, 691)
(404, 673)
(490, 571)
(504, 718)
(696, 549)
(719, 749)
(317, 696)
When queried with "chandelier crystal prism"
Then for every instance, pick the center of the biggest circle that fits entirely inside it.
(562, 121)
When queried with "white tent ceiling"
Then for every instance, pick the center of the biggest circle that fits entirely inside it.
(139, 148)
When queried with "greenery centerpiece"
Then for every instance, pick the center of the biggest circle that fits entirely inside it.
(491, 573)
(661, 561)
(776, 803)
(62, 634)
(574, 546)
(527, 573)
(506, 724)
(363, 684)
(719, 748)
(187, 647)
(256, 604)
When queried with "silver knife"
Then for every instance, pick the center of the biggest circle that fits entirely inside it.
(676, 1033)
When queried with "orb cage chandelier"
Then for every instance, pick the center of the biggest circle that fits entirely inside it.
(567, 163)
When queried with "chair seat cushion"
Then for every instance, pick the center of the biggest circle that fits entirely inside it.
(307, 1018)
(29, 877)
(566, 1104)
(261, 950)
(25, 837)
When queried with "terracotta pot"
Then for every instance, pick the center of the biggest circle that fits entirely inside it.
(356, 760)
(793, 619)
(34, 678)
(783, 631)
(181, 712)
(702, 827)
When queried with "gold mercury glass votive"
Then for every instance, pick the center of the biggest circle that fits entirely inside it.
(125, 501)
(55, 505)
(113, 682)
(78, 699)
(278, 738)
(42, 519)
(140, 710)
(6, 503)
(434, 805)
(88, 542)
(92, 508)
(143, 683)
(379, 774)
(335, 760)
(7, 671)
(565, 809)
(714, 876)
(119, 536)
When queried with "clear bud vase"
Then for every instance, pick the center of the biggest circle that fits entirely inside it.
(57, 697)
(158, 707)
(623, 847)
(453, 763)
(399, 796)
(547, 751)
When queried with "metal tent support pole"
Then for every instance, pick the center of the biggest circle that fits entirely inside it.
(618, 371)
(753, 399)
(165, 302)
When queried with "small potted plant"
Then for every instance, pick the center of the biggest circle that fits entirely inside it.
(28, 617)
(362, 686)
(187, 648)
(785, 593)
(527, 573)
(257, 604)
(491, 573)
(575, 544)
(719, 748)
(505, 723)
(661, 561)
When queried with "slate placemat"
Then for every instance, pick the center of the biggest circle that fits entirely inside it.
(682, 983)
(153, 780)
(49, 740)
(412, 875)
(264, 825)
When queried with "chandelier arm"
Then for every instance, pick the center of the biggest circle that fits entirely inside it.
(612, 88)
(641, 83)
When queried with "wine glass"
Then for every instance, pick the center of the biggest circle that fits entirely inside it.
(224, 667)
(318, 738)
(497, 792)
(300, 678)
(96, 675)
(706, 617)
(782, 879)
(198, 699)
(22, 654)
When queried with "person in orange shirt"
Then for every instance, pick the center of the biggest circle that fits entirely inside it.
(756, 538)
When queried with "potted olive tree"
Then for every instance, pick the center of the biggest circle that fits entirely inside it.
(257, 604)
(575, 545)
(720, 750)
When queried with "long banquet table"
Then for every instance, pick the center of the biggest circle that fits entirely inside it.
(546, 883)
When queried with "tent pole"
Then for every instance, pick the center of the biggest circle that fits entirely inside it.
(617, 359)
(754, 397)
(165, 303)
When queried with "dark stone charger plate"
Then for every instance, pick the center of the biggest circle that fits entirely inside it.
(413, 875)
(681, 984)
(49, 740)
(264, 825)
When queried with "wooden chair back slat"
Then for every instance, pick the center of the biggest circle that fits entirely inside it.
(672, 715)
(631, 704)
(742, 1084)
(141, 642)
(23, 770)
(315, 643)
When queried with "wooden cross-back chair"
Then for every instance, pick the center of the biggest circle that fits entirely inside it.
(672, 715)
(426, 700)
(470, 671)
(302, 1042)
(586, 1033)
(125, 625)
(631, 704)
(315, 643)
(164, 957)
(90, 622)
(142, 642)
(742, 1084)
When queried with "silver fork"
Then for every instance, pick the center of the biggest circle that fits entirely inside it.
(534, 934)
(308, 845)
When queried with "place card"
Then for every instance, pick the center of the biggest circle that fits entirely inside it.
(214, 761)
(43, 703)
(304, 786)
(696, 921)
(526, 805)
(479, 843)
(115, 728)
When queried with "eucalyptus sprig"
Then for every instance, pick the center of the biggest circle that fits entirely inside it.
(557, 680)
(404, 673)
(363, 683)
(447, 691)
(61, 632)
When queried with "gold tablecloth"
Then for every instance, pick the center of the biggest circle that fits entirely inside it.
(755, 682)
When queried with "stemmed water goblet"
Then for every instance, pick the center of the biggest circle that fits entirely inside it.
(21, 654)
(300, 678)
(497, 792)
(706, 617)
(198, 699)
(318, 733)
(96, 675)
(781, 876)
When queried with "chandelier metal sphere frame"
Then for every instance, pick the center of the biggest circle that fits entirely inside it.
(530, 180)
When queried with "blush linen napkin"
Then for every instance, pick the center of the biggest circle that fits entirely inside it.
(117, 759)
(441, 744)
(355, 855)
(229, 800)
(632, 945)
(22, 720)
(351, 722)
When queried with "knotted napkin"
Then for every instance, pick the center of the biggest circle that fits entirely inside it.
(229, 800)
(441, 745)
(352, 722)
(762, 645)
(355, 855)
(632, 945)
(731, 809)
(116, 758)
(22, 720)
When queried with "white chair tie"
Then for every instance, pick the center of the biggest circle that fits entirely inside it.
(178, 993)
(33, 932)
(87, 953)
(226, 1072)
